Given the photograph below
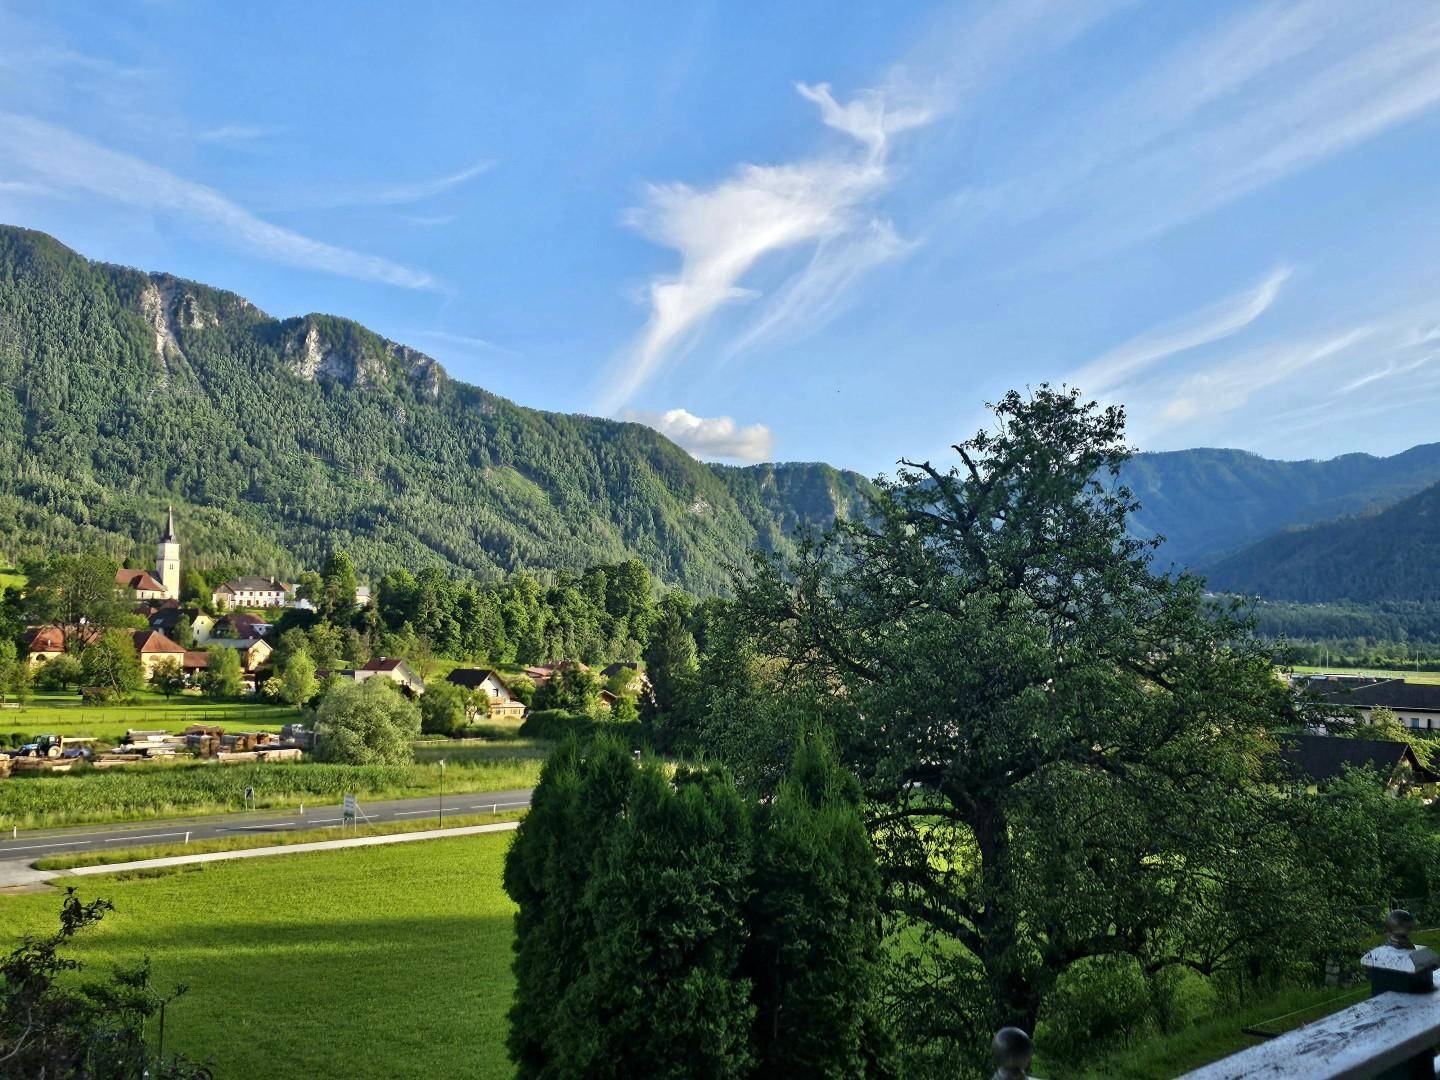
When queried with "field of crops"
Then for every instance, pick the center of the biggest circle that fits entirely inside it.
(155, 791)
(371, 962)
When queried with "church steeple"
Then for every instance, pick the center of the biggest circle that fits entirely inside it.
(167, 557)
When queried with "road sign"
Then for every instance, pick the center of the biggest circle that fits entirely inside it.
(250, 794)
(350, 810)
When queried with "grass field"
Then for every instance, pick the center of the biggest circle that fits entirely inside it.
(136, 793)
(390, 961)
(62, 713)
(10, 576)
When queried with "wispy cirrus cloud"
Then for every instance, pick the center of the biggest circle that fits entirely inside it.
(65, 163)
(713, 437)
(722, 232)
(238, 133)
(385, 193)
(467, 341)
(1216, 322)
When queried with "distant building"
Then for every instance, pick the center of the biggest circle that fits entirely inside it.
(492, 688)
(165, 615)
(1416, 705)
(250, 592)
(242, 626)
(44, 643)
(154, 648)
(254, 652)
(164, 582)
(394, 669)
(1318, 759)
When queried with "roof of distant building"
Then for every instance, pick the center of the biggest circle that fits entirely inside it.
(1324, 757)
(382, 663)
(1382, 693)
(474, 678)
(139, 580)
(152, 641)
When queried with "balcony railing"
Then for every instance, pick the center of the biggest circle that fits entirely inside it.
(1394, 1034)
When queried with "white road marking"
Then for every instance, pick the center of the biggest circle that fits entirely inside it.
(148, 836)
(269, 825)
(36, 847)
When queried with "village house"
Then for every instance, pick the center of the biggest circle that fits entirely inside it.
(251, 592)
(392, 668)
(242, 626)
(154, 648)
(1319, 759)
(44, 643)
(487, 685)
(165, 615)
(254, 652)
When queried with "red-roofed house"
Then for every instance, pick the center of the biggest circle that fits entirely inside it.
(140, 582)
(154, 647)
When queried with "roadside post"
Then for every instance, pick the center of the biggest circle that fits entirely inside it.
(347, 814)
(442, 791)
(249, 798)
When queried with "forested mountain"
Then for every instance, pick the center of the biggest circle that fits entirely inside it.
(1391, 556)
(1209, 503)
(277, 440)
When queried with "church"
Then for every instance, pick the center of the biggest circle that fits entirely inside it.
(164, 582)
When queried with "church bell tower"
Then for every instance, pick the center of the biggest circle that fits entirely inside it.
(167, 558)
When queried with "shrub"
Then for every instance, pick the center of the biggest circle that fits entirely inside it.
(369, 723)
(1098, 997)
(557, 724)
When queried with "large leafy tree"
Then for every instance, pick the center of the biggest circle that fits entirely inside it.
(76, 593)
(111, 663)
(1058, 746)
(223, 677)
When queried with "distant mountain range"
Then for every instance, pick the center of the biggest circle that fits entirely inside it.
(122, 391)
(1209, 504)
(1393, 555)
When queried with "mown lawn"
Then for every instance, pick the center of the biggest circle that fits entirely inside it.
(379, 962)
(63, 713)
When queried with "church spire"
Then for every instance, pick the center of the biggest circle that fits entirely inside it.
(169, 536)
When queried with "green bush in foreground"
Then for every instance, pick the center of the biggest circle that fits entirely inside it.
(369, 723)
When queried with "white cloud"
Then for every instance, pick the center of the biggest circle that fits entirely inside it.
(1203, 327)
(238, 133)
(869, 118)
(723, 232)
(66, 163)
(466, 340)
(397, 193)
(715, 437)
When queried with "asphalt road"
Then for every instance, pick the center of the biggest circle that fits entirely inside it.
(35, 844)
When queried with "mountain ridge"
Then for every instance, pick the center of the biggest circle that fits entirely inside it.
(280, 438)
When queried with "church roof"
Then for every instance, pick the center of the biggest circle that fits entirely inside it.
(169, 536)
(138, 580)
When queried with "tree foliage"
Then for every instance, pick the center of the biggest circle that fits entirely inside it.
(367, 723)
(669, 927)
(223, 678)
(110, 663)
(1062, 751)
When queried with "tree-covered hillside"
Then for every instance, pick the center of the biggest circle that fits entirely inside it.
(279, 440)
(1209, 503)
(1391, 556)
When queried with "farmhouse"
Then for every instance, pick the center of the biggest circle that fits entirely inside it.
(394, 669)
(165, 615)
(241, 626)
(1319, 759)
(253, 651)
(154, 648)
(250, 592)
(1416, 705)
(501, 703)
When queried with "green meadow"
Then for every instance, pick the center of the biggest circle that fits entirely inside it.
(376, 962)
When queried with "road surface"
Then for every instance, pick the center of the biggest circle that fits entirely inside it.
(28, 846)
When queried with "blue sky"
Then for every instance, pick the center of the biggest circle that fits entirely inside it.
(810, 231)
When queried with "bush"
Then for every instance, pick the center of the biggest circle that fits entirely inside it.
(557, 724)
(369, 723)
(1096, 998)
(442, 708)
